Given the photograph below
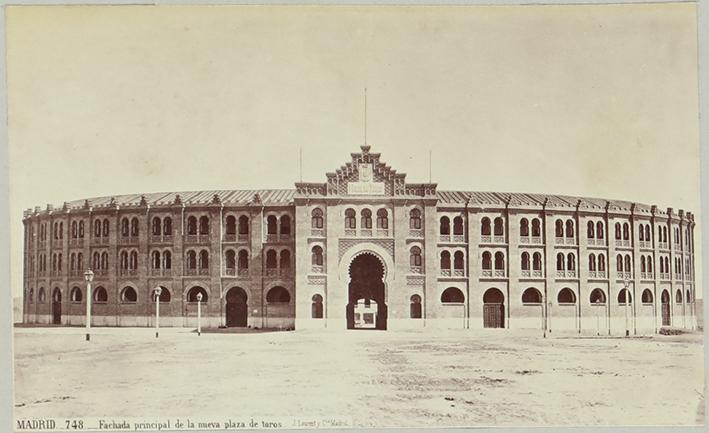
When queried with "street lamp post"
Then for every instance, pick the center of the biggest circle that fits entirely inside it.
(199, 314)
(626, 283)
(598, 317)
(88, 276)
(158, 291)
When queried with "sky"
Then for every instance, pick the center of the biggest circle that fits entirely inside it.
(589, 100)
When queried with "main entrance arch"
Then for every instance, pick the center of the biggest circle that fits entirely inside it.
(57, 306)
(366, 306)
(236, 308)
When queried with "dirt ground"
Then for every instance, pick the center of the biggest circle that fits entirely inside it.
(383, 379)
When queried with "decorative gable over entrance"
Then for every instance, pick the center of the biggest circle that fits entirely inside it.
(366, 175)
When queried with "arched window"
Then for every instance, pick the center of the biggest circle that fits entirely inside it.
(75, 295)
(599, 230)
(601, 262)
(97, 228)
(134, 260)
(204, 225)
(415, 257)
(350, 219)
(619, 263)
(129, 295)
(316, 220)
(382, 219)
(271, 260)
(537, 262)
(571, 262)
(167, 260)
(317, 256)
(591, 262)
(445, 226)
(626, 231)
(243, 259)
(231, 225)
(524, 227)
(164, 295)
(204, 259)
(664, 234)
(560, 262)
(74, 230)
(566, 296)
(536, 228)
(278, 294)
(499, 261)
(648, 236)
(559, 228)
(617, 231)
(597, 297)
(100, 295)
(452, 295)
(192, 294)
(72, 261)
(134, 227)
(627, 263)
(230, 259)
(104, 260)
(415, 219)
(646, 297)
(485, 228)
(31, 295)
(285, 259)
(649, 264)
(156, 262)
(192, 225)
(641, 233)
(590, 230)
(167, 226)
(317, 307)
(191, 259)
(569, 228)
(499, 227)
(531, 296)
(243, 225)
(678, 296)
(366, 218)
(624, 294)
(445, 260)
(96, 260)
(525, 261)
(458, 262)
(125, 227)
(415, 307)
(688, 297)
(285, 225)
(272, 225)
(105, 227)
(642, 264)
(457, 225)
(487, 260)
(156, 226)
(42, 295)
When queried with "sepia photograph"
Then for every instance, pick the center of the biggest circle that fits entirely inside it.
(246, 217)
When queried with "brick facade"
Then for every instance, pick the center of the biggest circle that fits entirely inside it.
(252, 255)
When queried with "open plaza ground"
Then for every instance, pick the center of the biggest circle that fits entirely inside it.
(383, 379)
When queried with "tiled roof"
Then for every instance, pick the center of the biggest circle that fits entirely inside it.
(284, 197)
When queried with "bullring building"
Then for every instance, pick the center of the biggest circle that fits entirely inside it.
(363, 249)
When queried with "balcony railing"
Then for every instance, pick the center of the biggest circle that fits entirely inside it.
(77, 242)
(416, 270)
(285, 272)
(678, 276)
(350, 232)
(486, 239)
(190, 272)
(566, 274)
(317, 233)
(646, 275)
(664, 275)
(498, 239)
(243, 272)
(592, 274)
(663, 245)
(458, 272)
(161, 272)
(382, 232)
(128, 240)
(524, 239)
(76, 272)
(230, 237)
(537, 273)
(99, 240)
(536, 240)
(271, 272)
(645, 244)
(458, 238)
(55, 273)
(242, 237)
(126, 272)
(624, 275)
(416, 233)
(366, 233)
(526, 273)
(204, 271)
(601, 274)
(161, 239)
(622, 242)
(599, 242)
(487, 273)
(41, 273)
(445, 272)
(445, 238)
(317, 269)
(285, 237)
(101, 272)
(231, 272)
(499, 272)
(272, 237)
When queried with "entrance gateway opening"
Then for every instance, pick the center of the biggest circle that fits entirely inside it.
(236, 307)
(366, 307)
